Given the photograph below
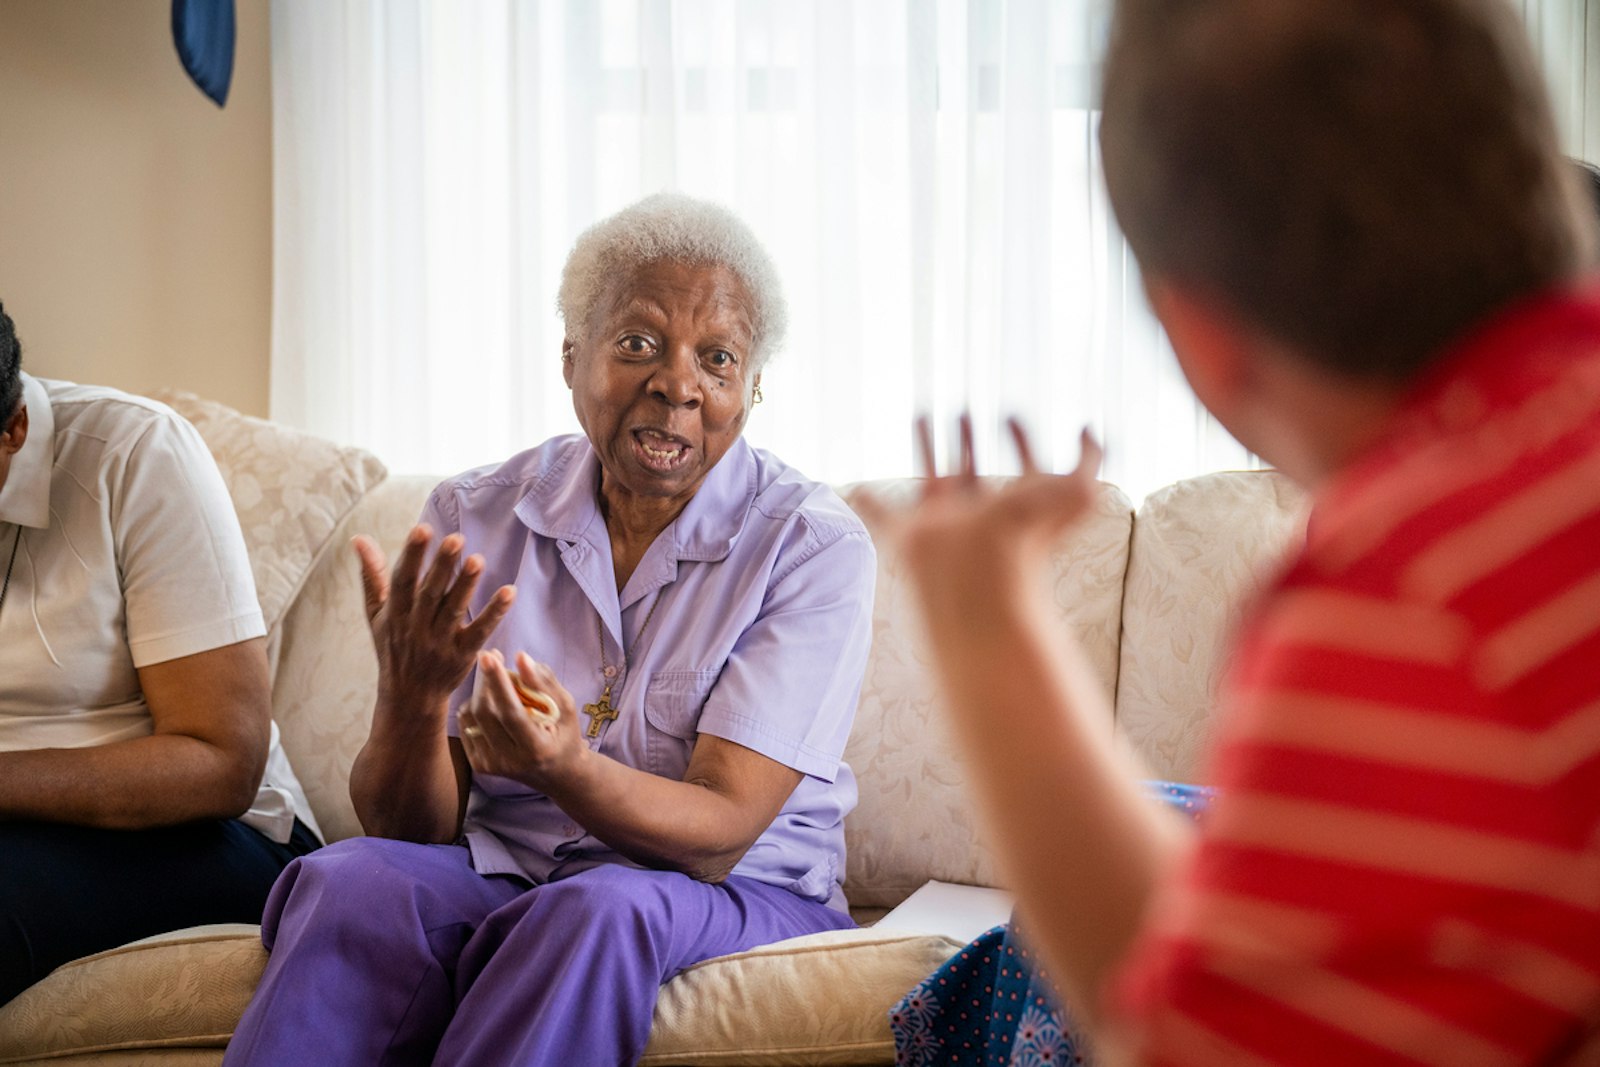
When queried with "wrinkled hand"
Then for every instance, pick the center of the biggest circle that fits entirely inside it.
(502, 736)
(425, 647)
(968, 544)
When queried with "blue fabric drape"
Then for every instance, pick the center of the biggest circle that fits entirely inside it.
(204, 32)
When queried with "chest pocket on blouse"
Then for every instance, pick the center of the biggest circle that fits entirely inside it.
(672, 704)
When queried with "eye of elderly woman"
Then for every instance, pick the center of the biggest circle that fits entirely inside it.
(636, 344)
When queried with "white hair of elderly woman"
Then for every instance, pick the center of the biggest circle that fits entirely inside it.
(672, 226)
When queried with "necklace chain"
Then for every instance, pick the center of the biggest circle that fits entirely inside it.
(5, 588)
(599, 628)
(602, 711)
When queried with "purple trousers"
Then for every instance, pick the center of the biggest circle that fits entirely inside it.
(389, 953)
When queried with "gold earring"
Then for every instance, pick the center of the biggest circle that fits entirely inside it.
(757, 395)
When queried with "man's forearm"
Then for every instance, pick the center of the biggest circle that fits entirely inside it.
(1082, 847)
(141, 783)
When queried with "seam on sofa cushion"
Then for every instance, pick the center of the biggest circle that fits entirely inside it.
(766, 951)
(152, 946)
(743, 1056)
(201, 1041)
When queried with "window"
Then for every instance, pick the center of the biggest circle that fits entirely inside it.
(926, 176)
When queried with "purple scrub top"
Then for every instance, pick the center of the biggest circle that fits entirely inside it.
(765, 585)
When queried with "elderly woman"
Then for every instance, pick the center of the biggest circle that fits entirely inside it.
(607, 743)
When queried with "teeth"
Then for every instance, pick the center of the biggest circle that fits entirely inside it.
(660, 453)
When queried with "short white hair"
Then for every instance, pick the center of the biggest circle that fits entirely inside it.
(671, 226)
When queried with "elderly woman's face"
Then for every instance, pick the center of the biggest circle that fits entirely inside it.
(661, 381)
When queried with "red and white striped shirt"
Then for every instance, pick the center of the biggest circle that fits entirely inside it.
(1403, 866)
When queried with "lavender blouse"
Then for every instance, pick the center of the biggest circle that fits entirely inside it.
(760, 636)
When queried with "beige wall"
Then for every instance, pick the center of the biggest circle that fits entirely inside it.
(135, 217)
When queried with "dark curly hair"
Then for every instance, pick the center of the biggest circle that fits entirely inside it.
(10, 367)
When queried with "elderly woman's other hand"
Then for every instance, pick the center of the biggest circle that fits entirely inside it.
(425, 647)
(535, 739)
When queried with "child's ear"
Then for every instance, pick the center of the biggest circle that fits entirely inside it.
(1213, 349)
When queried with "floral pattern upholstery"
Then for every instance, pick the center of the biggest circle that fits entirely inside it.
(915, 820)
(1201, 550)
(327, 671)
(289, 489)
(178, 991)
(763, 1006)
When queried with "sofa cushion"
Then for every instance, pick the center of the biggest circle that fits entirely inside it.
(1201, 550)
(915, 819)
(290, 490)
(810, 1000)
(821, 999)
(181, 990)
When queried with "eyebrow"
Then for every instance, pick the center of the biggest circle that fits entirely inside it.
(647, 308)
(641, 306)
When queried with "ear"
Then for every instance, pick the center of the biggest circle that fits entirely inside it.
(15, 432)
(568, 348)
(1212, 347)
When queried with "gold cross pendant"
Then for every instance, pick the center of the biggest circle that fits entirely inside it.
(599, 713)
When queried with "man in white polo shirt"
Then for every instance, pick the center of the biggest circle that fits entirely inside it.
(141, 785)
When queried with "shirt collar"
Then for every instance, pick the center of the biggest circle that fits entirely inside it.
(25, 498)
(562, 503)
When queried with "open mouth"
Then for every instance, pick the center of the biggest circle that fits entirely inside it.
(660, 451)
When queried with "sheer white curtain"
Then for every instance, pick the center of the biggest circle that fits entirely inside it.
(925, 173)
(1566, 37)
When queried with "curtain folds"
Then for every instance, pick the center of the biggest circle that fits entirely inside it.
(925, 173)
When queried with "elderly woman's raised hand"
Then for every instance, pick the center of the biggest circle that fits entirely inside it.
(425, 645)
(534, 739)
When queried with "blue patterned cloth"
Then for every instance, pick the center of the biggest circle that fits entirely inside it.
(993, 1004)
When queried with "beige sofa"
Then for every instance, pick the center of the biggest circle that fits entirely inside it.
(1150, 596)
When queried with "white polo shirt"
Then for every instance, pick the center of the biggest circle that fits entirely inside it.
(130, 554)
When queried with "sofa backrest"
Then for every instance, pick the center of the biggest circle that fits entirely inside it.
(915, 819)
(290, 490)
(1202, 549)
(1151, 598)
(327, 671)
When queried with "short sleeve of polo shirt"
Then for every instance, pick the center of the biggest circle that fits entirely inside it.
(790, 686)
(186, 576)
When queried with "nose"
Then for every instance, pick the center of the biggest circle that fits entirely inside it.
(676, 378)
